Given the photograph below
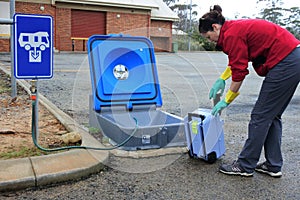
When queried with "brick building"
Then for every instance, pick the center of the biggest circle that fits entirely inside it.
(76, 20)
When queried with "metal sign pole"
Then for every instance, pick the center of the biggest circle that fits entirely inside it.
(10, 21)
(13, 79)
(35, 103)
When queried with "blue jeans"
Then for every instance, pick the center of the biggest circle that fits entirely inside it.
(265, 128)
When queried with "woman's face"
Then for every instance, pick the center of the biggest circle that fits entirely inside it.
(213, 35)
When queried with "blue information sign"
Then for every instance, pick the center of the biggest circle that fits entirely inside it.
(33, 46)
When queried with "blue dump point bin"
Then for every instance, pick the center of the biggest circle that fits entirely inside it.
(204, 135)
(125, 87)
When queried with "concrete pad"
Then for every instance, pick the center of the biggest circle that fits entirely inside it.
(16, 174)
(149, 153)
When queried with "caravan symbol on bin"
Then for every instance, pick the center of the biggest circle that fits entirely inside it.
(34, 41)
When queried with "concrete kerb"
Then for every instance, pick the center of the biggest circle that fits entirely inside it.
(16, 174)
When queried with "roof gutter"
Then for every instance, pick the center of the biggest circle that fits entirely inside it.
(107, 3)
(164, 18)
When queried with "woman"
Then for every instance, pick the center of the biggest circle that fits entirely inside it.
(275, 54)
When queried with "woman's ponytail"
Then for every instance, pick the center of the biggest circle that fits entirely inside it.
(216, 8)
(213, 17)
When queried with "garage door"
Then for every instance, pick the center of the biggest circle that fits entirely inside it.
(87, 23)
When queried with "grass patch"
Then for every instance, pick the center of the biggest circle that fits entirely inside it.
(4, 90)
(94, 130)
(22, 152)
(3, 87)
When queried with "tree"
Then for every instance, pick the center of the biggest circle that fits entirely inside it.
(273, 12)
(288, 18)
(293, 22)
(168, 2)
(187, 17)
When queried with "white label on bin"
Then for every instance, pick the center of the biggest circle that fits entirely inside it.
(146, 139)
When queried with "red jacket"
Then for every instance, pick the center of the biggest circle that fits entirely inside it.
(245, 40)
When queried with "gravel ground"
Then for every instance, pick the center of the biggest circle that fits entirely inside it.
(173, 176)
(184, 179)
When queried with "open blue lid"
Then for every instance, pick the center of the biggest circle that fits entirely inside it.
(123, 71)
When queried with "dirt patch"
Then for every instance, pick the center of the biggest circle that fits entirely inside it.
(16, 122)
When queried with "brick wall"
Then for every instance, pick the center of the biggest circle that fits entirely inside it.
(161, 35)
(127, 23)
(4, 45)
(34, 8)
(63, 32)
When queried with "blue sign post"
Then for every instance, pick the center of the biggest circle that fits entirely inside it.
(33, 46)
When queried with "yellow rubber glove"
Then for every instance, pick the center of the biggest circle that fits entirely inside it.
(226, 74)
(230, 96)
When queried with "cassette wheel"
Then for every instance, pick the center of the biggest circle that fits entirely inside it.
(211, 157)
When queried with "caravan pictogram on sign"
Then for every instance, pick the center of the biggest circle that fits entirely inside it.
(34, 43)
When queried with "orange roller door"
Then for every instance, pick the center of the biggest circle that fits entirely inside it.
(87, 23)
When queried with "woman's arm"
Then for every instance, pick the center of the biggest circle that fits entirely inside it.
(235, 86)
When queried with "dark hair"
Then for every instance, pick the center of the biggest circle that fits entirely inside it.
(213, 17)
